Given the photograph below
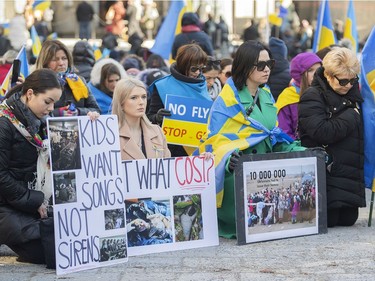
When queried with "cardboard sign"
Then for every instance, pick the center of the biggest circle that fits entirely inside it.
(188, 122)
(170, 204)
(280, 195)
(88, 193)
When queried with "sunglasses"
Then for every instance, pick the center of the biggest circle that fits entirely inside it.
(196, 68)
(344, 82)
(261, 65)
(228, 74)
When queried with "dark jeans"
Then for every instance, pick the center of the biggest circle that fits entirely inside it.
(342, 216)
(85, 29)
(31, 251)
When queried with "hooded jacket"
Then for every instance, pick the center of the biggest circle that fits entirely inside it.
(83, 58)
(335, 122)
(191, 33)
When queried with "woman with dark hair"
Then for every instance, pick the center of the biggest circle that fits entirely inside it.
(243, 109)
(211, 73)
(105, 75)
(186, 80)
(24, 197)
(156, 61)
(226, 70)
(76, 98)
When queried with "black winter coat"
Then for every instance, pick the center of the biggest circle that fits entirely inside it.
(19, 217)
(334, 121)
(84, 105)
(280, 77)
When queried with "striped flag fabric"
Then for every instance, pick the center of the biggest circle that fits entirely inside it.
(24, 71)
(367, 82)
(350, 30)
(36, 44)
(41, 5)
(324, 34)
(170, 27)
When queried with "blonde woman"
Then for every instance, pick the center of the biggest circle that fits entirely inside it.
(139, 139)
(330, 116)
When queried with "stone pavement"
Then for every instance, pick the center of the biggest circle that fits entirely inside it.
(342, 254)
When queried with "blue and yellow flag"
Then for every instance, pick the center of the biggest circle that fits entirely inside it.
(52, 36)
(170, 27)
(368, 107)
(5, 25)
(230, 129)
(350, 30)
(41, 5)
(324, 34)
(36, 45)
(24, 71)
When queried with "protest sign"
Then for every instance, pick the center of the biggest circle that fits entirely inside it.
(280, 195)
(188, 122)
(170, 204)
(88, 193)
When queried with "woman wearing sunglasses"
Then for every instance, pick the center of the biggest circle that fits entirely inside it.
(243, 108)
(185, 80)
(211, 73)
(226, 70)
(330, 117)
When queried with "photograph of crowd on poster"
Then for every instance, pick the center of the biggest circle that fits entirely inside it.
(65, 150)
(280, 199)
(112, 248)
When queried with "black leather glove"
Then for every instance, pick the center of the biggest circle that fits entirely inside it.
(233, 161)
(160, 115)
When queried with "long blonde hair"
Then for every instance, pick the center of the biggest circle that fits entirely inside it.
(122, 91)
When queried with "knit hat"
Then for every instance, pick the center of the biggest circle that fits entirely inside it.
(278, 48)
(190, 18)
(301, 63)
(131, 63)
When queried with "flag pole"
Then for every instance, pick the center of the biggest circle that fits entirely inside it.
(371, 203)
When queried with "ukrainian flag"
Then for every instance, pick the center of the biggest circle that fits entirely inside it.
(52, 36)
(324, 34)
(368, 107)
(36, 46)
(350, 30)
(230, 130)
(24, 71)
(170, 27)
(5, 25)
(41, 5)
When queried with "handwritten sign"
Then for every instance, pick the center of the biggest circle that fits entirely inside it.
(89, 214)
(170, 204)
(188, 122)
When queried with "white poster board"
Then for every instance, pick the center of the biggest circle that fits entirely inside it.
(170, 204)
(88, 193)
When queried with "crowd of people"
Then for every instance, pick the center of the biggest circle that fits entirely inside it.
(318, 107)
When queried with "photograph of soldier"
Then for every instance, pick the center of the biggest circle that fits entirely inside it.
(148, 221)
(114, 219)
(65, 151)
(112, 248)
(188, 217)
(65, 188)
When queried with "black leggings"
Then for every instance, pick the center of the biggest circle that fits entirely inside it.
(342, 216)
(31, 251)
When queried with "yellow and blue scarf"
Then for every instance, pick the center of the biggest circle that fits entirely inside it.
(230, 129)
